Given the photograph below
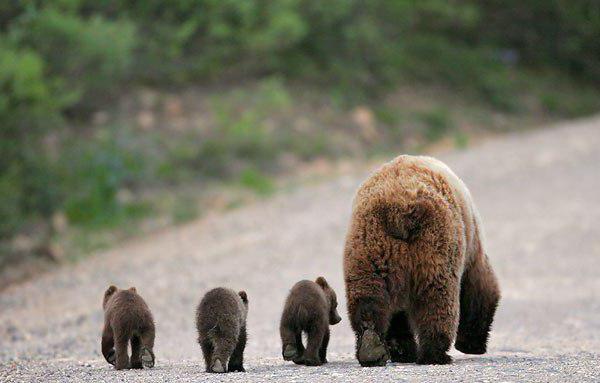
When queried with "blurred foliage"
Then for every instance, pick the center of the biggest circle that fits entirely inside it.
(27, 111)
(437, 123)
(61, 60)
(254, 180)
(89, 56)
(93, 174)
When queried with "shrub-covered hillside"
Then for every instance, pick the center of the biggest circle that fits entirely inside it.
(276, 76)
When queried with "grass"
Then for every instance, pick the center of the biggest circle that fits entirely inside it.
(185, 209)
(559, 96)
(461, 140)
(437, 122)
(257, 182)
(387, 115)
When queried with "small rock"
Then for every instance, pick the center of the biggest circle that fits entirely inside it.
(173, 107)
(148, 98)
(100, 118)
(125, 196)
(363, 117)
(59, 222)
(145, 119)
(13, 333)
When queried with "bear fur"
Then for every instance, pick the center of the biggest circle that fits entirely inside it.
(221, 324)
(310, 307)
(415, 266)
(127, 319)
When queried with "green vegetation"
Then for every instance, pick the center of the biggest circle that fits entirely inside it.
(253, 180)
(184, 210)
(437, 123)
(295, 70)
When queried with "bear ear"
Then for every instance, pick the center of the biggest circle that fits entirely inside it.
(133, 289)
(244, 296)
(110, 291)
(322, 282)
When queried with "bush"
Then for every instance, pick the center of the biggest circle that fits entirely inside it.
(254, 180)
(559, 34)
(90, 56)
(92, 176)
(67, 58)
(50, 62)
(27, 110)
(437, 123)
(475, 71)
(10, 208)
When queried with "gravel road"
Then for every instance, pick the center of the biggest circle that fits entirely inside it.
(539, 198)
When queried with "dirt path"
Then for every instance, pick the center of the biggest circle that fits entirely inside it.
(539, 197)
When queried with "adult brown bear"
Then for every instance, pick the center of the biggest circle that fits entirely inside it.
(415, 266)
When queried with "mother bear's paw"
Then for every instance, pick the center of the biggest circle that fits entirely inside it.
(433, 357)
(372, 351)
(471, 346)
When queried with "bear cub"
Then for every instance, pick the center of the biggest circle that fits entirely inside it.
(127, 319)
(310, 307)
(221, 323)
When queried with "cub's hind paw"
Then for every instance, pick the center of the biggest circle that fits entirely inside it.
(300, 360)
(312, 362)
(239, 368)
(290, 352)
(217, 366)
(147, 358)
(112, 357)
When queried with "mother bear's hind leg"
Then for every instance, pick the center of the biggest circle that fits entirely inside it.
(401, 340)
(434, 315)
(479, 298)
(369, 317)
